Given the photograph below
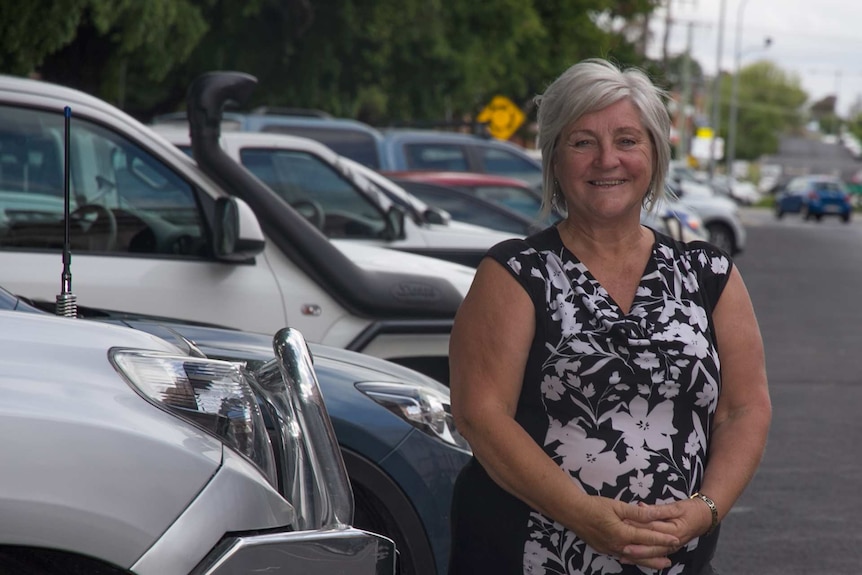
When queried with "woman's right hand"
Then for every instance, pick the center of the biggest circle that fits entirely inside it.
(620, 530)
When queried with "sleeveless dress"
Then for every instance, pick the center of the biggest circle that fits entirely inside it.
(623, 403)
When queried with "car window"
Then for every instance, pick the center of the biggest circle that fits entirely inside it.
(463, 208)
(829, 187)
(319, 192)
(518, 199)
(438, 157)
(122, 199)
(505, 163)
(354, 144)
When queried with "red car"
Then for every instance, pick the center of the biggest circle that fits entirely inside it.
(512, 194)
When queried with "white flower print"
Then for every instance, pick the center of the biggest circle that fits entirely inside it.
(641, 485)
(669, 389)
(692, 445)
(605, 564)
(579, 453)
(707, 396)
(637, 458)
(642, 426)
(647, 360)
(515, 265)
(566, 314)
(720, 265)
(552, 387)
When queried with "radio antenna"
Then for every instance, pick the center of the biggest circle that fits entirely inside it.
(66, 301)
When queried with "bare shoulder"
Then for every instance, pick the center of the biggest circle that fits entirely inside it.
(492, 335)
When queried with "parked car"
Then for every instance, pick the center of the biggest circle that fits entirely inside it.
(343, 203)
(156, 233)
(466, 207)
(743, 192)
(815, 196)
(511, 193)
(720, 215)
(670, 218)
(124, 455)
(392, 424)
(448, 151)
(344, 136)
(394, 148)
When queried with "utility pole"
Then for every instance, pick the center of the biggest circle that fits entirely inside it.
(716, 91)
(685, 100)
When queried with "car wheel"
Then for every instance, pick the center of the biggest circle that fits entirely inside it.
(779, 213)
(721, 236)
(818, 217)
(370, 514)
(846, 218)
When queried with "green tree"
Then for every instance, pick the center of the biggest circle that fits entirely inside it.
(112, 48)
(383, 61)
(770, 103)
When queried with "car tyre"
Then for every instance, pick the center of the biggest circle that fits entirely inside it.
(721, 236)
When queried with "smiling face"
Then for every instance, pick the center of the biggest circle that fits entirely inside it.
(603, 162)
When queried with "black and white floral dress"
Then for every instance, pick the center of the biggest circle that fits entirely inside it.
(622, 402)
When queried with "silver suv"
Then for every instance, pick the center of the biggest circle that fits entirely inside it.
(125, 454)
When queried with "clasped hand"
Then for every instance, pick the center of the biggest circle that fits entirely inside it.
(640, 534)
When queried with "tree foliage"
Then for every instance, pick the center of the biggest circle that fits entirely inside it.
(378, 60)
(770, 103)
(104, 47)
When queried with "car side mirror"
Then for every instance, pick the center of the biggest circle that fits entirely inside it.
(436, 216)
(394, 223)
(238, 235)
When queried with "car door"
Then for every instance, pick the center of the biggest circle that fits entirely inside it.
(140, 233)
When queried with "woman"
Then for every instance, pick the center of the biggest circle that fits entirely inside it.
(610, 380)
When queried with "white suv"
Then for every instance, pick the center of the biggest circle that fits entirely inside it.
(152, 233)
(340, 200)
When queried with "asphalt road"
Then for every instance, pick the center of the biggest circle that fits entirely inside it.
(802, 513)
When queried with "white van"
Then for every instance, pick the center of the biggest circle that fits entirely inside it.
(153, 233)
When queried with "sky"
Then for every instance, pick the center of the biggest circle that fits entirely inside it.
(818, 40)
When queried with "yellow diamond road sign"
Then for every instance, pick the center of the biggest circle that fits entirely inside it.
(502, 116)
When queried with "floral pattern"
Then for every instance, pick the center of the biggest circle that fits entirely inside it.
(628, 397)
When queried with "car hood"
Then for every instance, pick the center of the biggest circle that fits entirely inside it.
(379, 259)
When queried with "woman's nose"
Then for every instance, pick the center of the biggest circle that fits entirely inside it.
(606, 156)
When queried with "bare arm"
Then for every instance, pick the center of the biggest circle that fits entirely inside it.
(744, 411)
(488, 353)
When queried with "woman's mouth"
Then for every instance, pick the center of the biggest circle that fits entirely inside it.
(607, 183)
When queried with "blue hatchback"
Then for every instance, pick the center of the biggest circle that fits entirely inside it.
(815, 197)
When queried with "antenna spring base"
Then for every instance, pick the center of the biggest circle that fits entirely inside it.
(67, 305)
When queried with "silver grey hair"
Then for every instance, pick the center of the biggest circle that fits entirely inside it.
(592, 85)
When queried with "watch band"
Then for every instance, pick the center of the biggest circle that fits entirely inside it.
(712, 509)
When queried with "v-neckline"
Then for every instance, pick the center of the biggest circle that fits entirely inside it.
(649, 268)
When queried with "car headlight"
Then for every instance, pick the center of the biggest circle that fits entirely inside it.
(213, 395)
(424, 408)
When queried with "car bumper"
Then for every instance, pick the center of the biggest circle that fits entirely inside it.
(349, 551)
